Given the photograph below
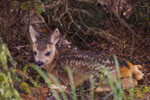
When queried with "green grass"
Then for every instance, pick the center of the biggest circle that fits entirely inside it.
(9, 92)
(43, 75)
(59, 85)
(121, 93)
(92, 85)
(118, 92)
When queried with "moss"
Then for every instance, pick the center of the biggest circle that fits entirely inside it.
(141, 91)
(25, 88)
(7, 90)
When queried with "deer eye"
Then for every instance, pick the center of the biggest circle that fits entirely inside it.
(34, 52)
(48, 53)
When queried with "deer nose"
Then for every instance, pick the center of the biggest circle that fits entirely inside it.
(39, 63)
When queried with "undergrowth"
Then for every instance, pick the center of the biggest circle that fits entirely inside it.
(117, 92)
(7, 75)
(9, 78)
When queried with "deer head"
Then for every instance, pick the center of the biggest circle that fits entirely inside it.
(44, 47)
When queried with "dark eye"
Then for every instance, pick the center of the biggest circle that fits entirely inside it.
(48, 53)
(34, 52)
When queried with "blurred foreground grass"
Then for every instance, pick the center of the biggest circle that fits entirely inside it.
(9, 80)
(7, 75)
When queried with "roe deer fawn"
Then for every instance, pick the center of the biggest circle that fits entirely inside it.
(82, 63)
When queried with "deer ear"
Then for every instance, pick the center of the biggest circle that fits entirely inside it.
(33, 34)
(55, 36)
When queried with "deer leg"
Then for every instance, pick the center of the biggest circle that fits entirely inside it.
(128, 82)
(137, 73)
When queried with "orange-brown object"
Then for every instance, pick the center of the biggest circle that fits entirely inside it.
(82, 63)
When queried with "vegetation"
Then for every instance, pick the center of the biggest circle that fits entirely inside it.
(7, 75)
(113, 26)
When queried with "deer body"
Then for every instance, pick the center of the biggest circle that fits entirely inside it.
(82, 63)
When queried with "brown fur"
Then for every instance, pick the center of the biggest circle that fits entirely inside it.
(81, 63)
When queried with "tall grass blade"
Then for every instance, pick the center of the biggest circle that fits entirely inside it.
(46, 80)
(82, 93)
(72, 83)
(61, 89)
(92, 84)
(114, 90)
(121, 93)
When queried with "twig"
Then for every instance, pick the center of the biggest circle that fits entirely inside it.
(125, 24)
